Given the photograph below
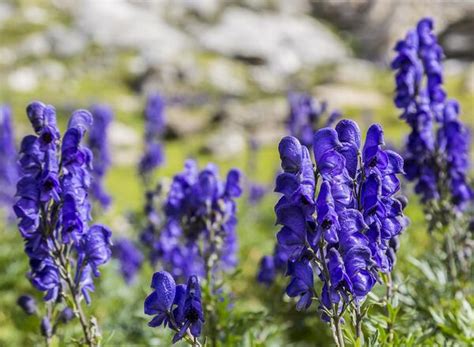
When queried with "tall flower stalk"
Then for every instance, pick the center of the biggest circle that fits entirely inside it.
(8, 158)
(437, 149)
(306, 115)
(54, 212)
(153, 156)
(197, 237)
(99, 145)
(345, 232)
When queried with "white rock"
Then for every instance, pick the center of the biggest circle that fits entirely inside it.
(23, 79)
(131, 25)
(35, 45)
(226, 77)
(282, 41)
(66, 42)
(339, 96)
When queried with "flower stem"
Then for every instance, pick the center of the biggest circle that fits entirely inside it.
(388, 299)
(358, 321)
(90, 340)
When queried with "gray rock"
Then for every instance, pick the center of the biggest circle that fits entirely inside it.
(35, 45)
(132, 25)
(227, 77)
(377, 25)
(181, 123)
(283, 42)
(260, 114)
(66, 42)
(23, 79)
(355, 72)
(125, 143)
(228, 141)
(6, 11)
(339, 96)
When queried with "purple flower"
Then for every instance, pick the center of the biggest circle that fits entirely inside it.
(351, 228)
(191, 316)
(28, 304)
(66, 315)
(130, 258)
(305, 117)
(53, 208)
(301, 283)
(98, 144)
(154, 128)
(95, 247)
(435, 127)
(46, 327)
(8, 157)
(196, 202)
(256, 193)
(176, 306)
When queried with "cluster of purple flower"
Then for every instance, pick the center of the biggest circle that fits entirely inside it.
(129, 256)
(437, 149)
(350, 231)
(198, 233)
(8, 157)
(176, 306)
(53, 207)
(97, 143)
(154, 127)
(305, 115)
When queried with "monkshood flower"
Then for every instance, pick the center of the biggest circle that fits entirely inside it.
(177, 307)
(54, 211)
(199, 231)
(305, 117)
(154, 128)
(98, 144)
(8, 158)
(271, 265)
(27, 304)
(130, 258)
(257, 192)
(437, 149)
(345, 232)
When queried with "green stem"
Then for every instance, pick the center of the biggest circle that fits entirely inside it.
(450, 249)
(77, 308)
(358, 322)
(388, 299)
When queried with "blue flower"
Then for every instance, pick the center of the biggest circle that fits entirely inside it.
(197, 201)
(8, 157)
(52, 205)
(349, 232)
(420, 94)
(154, 127)
(130, 258)
(28, 304)
(98, 144)
(305, 116)
(177, 306)
(191, 317)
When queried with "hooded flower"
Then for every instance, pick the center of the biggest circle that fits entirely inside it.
(52, 203)
(351, 227)
(154, 127)
(430, 159)
(8, 157)
(197, 201)
(98, 144)
(176, 306)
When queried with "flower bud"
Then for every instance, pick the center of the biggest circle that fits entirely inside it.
(46, 328)
(28, 304)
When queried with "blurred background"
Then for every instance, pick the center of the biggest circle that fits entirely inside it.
(224, 68)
